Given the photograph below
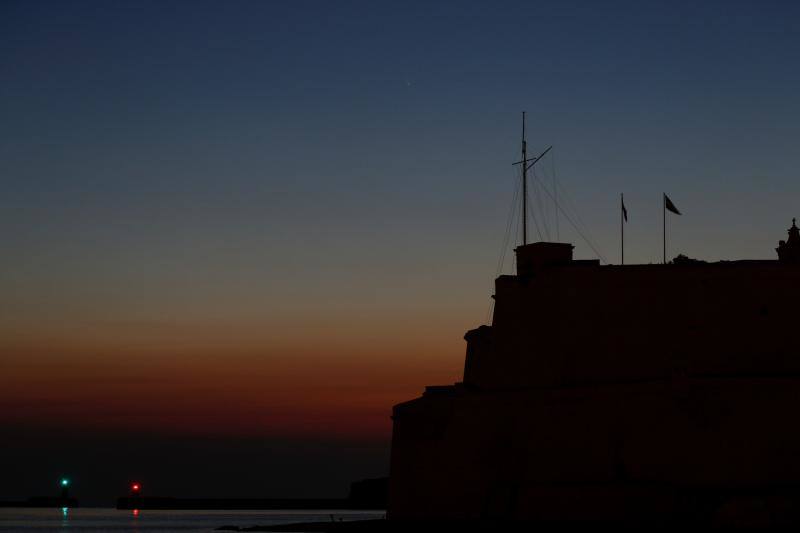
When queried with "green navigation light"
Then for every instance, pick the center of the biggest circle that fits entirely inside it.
(64, 482)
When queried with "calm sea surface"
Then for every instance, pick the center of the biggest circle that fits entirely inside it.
(99, 519)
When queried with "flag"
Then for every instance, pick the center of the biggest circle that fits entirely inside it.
(670, 206)
(624, 211)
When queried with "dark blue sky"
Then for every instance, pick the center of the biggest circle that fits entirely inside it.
(219, 116)
(177, 175)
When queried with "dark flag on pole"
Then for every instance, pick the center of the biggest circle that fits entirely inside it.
(668, 205)
(622, 219)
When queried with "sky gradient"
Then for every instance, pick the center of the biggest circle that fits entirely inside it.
(266, 223)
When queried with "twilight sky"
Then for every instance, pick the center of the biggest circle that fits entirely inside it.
(244, 230)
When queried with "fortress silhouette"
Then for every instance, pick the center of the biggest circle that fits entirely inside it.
(616, 393)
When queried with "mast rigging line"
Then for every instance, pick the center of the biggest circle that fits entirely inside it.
(583, 224)
(555, 191)
(541, 206)
(511, 222)
(542, 236)
(569, 204)
(574, 225)
(536, 221)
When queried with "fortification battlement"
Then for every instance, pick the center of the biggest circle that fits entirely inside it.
(565, 322)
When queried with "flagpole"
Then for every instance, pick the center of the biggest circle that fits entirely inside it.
(621, 229)
(664, 213)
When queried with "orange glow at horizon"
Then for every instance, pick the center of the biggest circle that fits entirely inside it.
(343, 390)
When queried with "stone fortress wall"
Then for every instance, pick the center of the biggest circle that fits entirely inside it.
(610, 392)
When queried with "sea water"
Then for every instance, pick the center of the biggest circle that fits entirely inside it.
(102, 519)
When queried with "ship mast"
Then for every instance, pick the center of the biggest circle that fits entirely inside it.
(525, 167)
(524, 185)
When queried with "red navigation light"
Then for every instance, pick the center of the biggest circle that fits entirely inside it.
(135, 487)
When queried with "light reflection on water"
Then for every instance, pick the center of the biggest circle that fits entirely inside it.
(101, 519)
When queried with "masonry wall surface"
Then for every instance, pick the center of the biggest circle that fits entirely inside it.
(610, 392)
